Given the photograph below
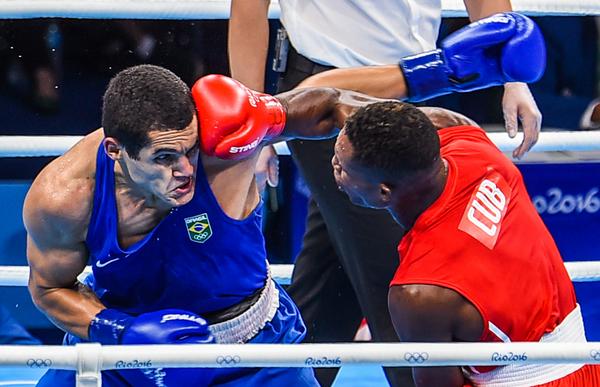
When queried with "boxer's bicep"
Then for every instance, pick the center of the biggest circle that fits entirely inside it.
(55, 241)
(427, 313)
(420, 314)
(56, 254)
(53, 284)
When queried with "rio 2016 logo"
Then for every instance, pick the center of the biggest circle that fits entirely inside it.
(322, 361)
(509, 357)
(557, 202)
(133, 364)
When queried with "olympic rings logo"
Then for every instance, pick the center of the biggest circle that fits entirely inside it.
(228, 360)
(416, 357)
(595, 354)
(38, 363)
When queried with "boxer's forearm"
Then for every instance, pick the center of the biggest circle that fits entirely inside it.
(377, 81)
(53, 284)
(314, 113)
(71, 309)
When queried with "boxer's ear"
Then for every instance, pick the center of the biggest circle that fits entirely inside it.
(113, 148)
(385, 193)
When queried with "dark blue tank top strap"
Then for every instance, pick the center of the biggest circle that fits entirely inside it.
(203, 189)
(102, 224)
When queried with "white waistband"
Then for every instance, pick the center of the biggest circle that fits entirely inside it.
(245, 326)
(570, 330)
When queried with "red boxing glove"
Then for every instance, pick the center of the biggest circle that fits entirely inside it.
(234, 119)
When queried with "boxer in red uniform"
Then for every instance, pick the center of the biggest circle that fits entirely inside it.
(477, 263)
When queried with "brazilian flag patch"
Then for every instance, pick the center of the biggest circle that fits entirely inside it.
(198, 228)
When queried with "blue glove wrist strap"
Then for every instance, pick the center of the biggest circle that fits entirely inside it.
(427, 75)
(108, 326)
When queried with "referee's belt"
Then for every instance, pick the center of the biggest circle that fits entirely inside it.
(301, 63)
(241, 322)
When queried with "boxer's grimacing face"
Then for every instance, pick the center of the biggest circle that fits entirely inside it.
(352, 178)
(166, 169)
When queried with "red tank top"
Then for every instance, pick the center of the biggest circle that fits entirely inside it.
(484, 239)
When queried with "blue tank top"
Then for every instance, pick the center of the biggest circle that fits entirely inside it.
(197, 258)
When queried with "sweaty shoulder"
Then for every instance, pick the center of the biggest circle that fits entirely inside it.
(444, 118)
(59, 202)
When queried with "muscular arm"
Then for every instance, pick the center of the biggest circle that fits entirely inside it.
(427, 313)
(381, 82)
(321, 112)
(314, 113)
(319, 105)
(54, 219)
(248, 41)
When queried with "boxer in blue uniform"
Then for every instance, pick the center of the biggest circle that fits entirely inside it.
(180, 273)
(174, 241)
(173, 233)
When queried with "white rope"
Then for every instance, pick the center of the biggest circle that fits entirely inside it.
(282, 273)
(119, 9)
(551, 141)
(35, 146)
(304, 355)
(19, 275)
(547, 142)
(582, 271)
(219, 9)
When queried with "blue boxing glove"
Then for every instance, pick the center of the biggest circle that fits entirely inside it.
(169, 326)
(506, 47)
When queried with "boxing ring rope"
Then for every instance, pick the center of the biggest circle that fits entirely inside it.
(91, 358)
(18, 275)
(35, 146)
(110, 357)
(579, 271)
(219, 9)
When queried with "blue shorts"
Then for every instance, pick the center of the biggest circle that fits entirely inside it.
(285, 327)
